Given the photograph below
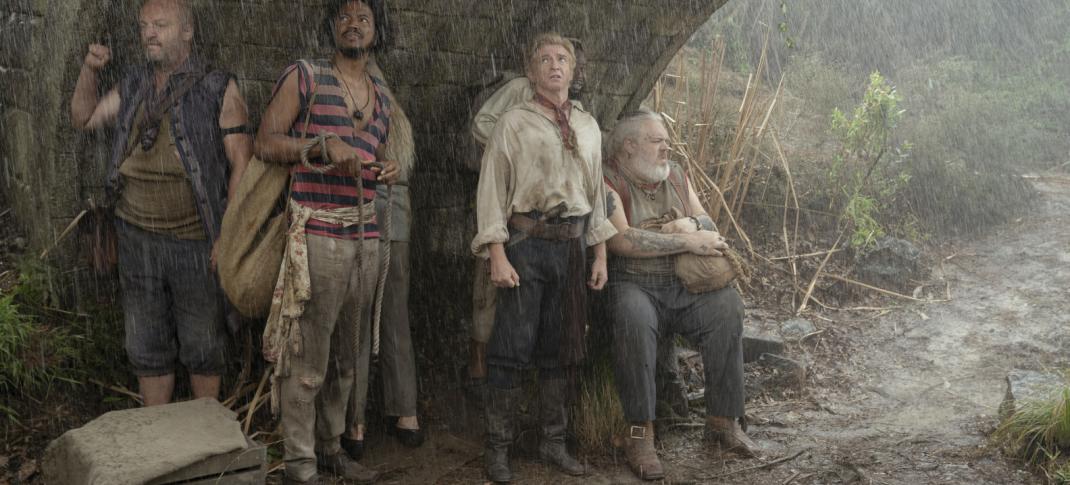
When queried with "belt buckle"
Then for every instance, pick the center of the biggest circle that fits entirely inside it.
(641, 434)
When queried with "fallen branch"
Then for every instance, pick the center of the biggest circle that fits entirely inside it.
(800, 256)
(253, 406)
(883, 291)
(817, 274)
(66, 231)
(119, 389)
(763, 466)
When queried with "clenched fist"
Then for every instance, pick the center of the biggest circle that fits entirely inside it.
(97, 57)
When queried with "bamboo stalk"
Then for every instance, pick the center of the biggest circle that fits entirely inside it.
(881, 290)
(255, 404)
(817, 274)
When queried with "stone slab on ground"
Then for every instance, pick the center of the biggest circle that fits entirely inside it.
(1025, 386)
(784, 372)
(754, 345)
(137, 446)
(797, 329)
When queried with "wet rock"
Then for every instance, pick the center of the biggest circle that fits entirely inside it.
(782, 372)
(891, 262)
(1024, 386)
(124, 447)
(754, 345)
(796, 329)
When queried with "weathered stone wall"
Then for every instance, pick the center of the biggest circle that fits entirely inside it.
(444, 48)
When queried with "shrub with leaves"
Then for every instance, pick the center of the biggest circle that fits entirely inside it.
(862, 185)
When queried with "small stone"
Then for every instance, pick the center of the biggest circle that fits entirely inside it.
(891, 261)
(1025, 385)
(783, 372)
(797, 328)
(754, 345)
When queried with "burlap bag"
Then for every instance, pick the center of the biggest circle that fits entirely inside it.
(699, 274)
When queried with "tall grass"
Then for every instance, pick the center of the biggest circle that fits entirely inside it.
(1039, 433)
(599, 414)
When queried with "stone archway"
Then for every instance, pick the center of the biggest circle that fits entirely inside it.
(444, 49)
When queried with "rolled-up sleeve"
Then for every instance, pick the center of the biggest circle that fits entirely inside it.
(599, 229)
(493, 194)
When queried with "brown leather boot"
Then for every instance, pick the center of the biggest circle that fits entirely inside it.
(727, 432)
(477, 359)
(638, 443)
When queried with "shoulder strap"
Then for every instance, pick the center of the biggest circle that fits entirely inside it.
(312, 97)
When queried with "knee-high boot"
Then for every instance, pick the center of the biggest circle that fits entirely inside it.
(499, 410)
(554, 420)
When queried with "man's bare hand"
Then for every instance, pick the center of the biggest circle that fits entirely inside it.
(706, 243)
(390, 172)
(599, 274)
(502, 273)
(97, 57)
(683, 225)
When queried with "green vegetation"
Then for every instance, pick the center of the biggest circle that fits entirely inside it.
(43, 348)
(983, 98)
(1039, 434)
(856, 171)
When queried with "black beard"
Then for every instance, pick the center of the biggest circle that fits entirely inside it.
(354, 52)
(575, 92)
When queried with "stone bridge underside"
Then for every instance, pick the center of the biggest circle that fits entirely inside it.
(444, 48)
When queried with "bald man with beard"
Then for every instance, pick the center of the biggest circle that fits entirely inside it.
(180, 146)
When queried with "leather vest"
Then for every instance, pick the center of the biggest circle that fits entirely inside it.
(196, 132)
(638, 206)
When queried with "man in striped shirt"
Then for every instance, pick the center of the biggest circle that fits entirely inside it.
(338, 107)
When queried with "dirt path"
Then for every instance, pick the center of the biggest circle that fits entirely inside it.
(905, 396)
(910, 399)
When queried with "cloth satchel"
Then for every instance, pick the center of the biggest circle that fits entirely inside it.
(699, 274)
(253, 236)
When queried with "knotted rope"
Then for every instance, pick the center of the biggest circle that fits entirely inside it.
(380, 286)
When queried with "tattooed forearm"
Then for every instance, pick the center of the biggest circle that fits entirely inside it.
(705, 223)
(652, 243)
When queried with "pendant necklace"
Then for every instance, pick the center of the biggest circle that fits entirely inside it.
(358, 114)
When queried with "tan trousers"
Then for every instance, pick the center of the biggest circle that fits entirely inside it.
(315, 394)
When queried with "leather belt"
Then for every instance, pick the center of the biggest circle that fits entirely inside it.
(562, 231)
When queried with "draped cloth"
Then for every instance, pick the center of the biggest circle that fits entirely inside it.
(282, 333)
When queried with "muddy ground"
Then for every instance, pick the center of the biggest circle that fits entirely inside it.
(899, 392)
(906, 393)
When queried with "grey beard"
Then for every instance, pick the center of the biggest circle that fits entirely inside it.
(355, 52)
(649, 173)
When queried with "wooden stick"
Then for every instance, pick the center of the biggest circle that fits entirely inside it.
(63, 235)
(769, 464)
(881, 290)
(801, 256)
(119, 389)
(817, 274)
(256, 397)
